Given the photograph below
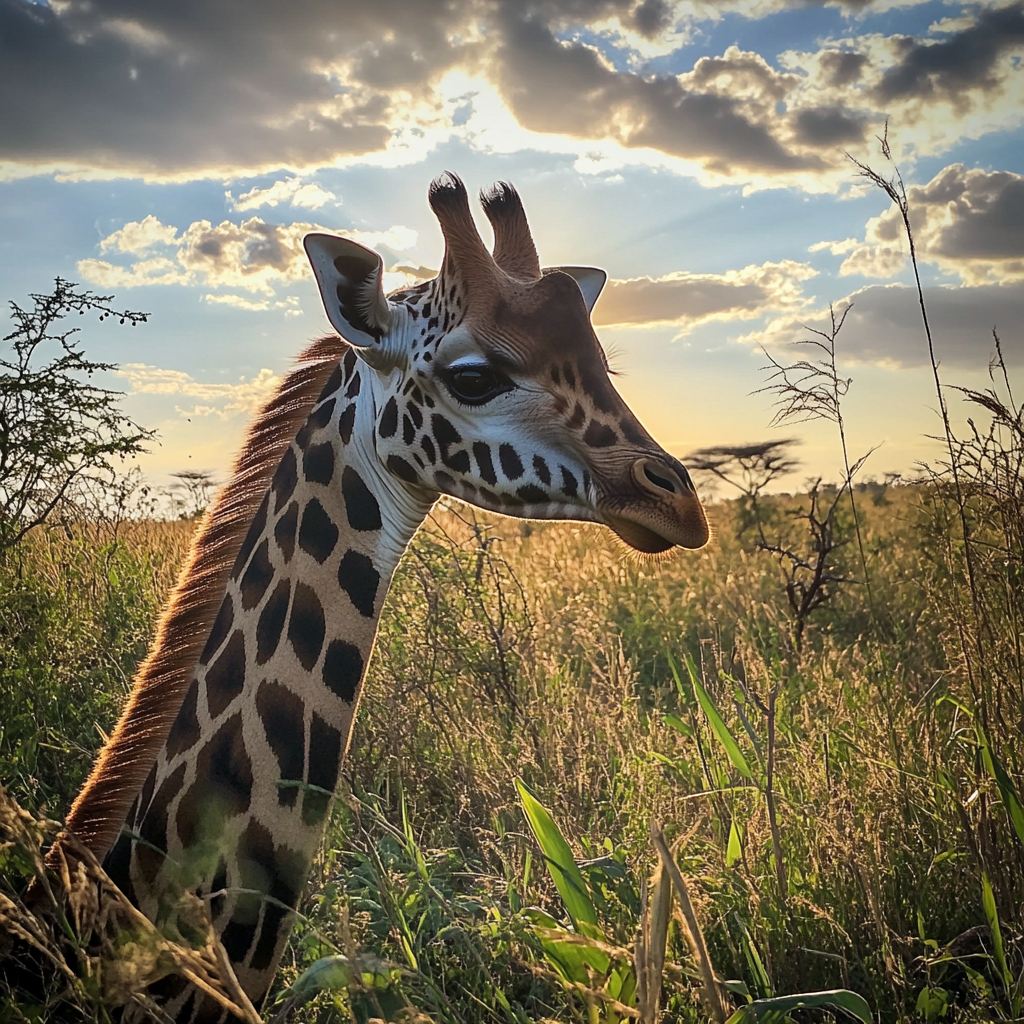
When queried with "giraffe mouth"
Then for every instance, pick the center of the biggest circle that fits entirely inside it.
(659, 511)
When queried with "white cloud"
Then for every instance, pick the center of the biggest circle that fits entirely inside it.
(290, 190)
(158, 270)
(220, 400)
(253, 255)
(139, 236)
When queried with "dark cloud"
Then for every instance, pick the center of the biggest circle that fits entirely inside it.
(987, 213)
(228, 86)
(843, 67)
(969, 222)
(645, 301)
(828, 126)
(552, 87)
(164, 87)
(965, 60)
(884, 326)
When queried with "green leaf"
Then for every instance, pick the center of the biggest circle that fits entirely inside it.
(566, 875)
(734, 851)
(681, 727)
(988, 900)
(1007, 790)
(839, 997)
(726, 738)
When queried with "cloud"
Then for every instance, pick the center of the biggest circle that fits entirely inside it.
(689, 300)
(951, 68)
(291, 190)
(884, 326)
(252, 255)
(139, 236)
(966, 222)
(220, 400)
(231, 89)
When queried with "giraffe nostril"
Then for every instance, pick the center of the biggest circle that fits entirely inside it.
(659, 481)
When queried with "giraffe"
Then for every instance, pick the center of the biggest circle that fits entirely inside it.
(486, 384)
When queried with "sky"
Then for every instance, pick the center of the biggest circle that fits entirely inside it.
(173, 154)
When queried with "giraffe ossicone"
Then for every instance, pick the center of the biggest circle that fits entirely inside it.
(486, 384)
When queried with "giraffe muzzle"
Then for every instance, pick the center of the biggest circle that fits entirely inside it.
(660, 510)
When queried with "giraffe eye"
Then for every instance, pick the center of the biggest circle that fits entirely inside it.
(475, 385)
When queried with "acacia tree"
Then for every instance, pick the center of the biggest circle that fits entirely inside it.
(58, 429)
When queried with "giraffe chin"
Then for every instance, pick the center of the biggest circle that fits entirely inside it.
(691, 533)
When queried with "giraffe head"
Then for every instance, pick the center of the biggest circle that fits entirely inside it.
(493, 387)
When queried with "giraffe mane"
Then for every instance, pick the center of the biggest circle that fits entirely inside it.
(159, 689)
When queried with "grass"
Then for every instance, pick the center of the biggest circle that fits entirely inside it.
(540, 652)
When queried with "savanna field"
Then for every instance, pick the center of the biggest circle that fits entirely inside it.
(827, 730)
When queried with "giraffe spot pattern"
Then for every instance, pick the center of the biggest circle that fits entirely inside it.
(322, 415)
(446, 435)
(570, 377)
(511, 464)
(286, 476)
(428, 448)
(282, 714)
(346, 422)
(353, 388)
(284, 531)
(576, 419)
(324, 765)
(408, 429)
(360, 505)
(532, 494)
(599, 435)
(146, 796)
(415, 413)
(257, 577)
(306, 626)
(484, 463)
(402, 469)
(333, 383)
(117, 864)
(631, 430)
(318, 463)
(226, 676)
(349, 362)
(221, 628)
(271, 622)
(569, 484)
(343, 668)
(277, 871)
(184, 732)
(360, 580)
(151, 852)
(254, 533)
(540, 467)
(223, 786)
(317, 534)
(389, 418)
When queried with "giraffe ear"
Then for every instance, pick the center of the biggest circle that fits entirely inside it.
(350, 278)
(590, 279)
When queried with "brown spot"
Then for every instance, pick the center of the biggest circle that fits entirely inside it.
(226, 676)
(282, 714)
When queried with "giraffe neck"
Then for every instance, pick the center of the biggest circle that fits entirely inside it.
(237, 801)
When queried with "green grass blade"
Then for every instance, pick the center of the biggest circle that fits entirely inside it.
(988, 900)
(560, 861)
(734, 851)
(840, 997)
(1007, 790)
(725, 737)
